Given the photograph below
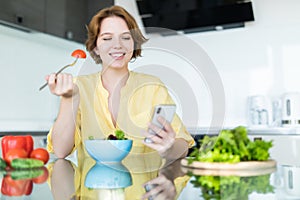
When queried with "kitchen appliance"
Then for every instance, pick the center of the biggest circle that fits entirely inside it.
(291, 179)
(290, 115)
(259, 111)
(193, 16)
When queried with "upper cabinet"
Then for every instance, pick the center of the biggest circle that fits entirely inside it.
(67, 19)
(23, 14)
(62, 18)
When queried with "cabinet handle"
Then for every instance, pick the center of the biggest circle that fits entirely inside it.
(19, 19)
(257, 138)
(69, 35)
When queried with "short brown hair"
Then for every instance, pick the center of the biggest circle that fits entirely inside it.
(94, 28)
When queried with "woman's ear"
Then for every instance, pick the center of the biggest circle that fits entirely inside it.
(96, 55)
(96, 51)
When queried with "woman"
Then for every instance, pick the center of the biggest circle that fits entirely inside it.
(98, 104)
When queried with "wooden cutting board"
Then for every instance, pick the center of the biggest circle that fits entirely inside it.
(216, 172)
(247, 165)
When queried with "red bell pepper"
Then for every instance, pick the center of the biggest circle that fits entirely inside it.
(16, 142)
(11, 187)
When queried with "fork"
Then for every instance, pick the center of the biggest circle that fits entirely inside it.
(59, 71)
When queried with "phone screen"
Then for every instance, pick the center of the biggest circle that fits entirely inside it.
(165, 111)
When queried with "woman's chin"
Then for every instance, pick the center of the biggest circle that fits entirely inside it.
(118, 64)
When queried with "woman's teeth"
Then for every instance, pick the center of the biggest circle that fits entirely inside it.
(116, 55)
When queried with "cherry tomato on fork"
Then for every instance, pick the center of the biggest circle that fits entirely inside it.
(78, 53)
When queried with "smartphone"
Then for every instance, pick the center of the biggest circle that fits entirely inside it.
(167, 111)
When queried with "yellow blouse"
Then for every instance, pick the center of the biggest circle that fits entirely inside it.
(137, 99)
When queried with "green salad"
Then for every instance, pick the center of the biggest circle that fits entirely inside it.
(231, 146)
(231, 187)
(119, 135)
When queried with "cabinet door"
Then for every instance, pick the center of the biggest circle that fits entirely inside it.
(24, 13)
(95, 5)
(76, 19)
(63, 18)
(55, 18)
(78, 15)
(67, 19)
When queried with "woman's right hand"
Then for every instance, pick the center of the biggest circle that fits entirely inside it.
(62, 85)
(160, 188)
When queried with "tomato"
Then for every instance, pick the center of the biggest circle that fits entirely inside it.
(40, 154)
(42, 178)
(78, 53)
(15, 153)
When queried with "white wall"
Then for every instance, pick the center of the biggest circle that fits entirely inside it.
(25, 60)
(262, 58)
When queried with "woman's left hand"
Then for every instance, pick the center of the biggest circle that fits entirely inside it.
(160, 139)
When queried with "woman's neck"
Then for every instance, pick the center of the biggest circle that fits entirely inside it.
(114, 78)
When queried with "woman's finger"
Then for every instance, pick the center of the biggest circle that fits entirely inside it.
(52, 82)
(67, 83)
(155, 186)
(158, 180)
(70, 82)
(153, 192)
(157, 130)
(47, 77)
(156, 139)
(59, 84)
(167, 126)
(51, 78)
(152, 127)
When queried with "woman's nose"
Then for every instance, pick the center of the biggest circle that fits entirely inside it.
(117, 43)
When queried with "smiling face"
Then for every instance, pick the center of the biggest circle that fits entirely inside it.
(115, 44)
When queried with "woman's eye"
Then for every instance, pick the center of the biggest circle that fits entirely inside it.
(126, 38)
(105, 39)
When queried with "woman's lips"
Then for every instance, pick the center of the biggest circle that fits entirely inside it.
(117, 55)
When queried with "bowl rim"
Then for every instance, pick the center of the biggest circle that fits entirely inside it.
(102, 140)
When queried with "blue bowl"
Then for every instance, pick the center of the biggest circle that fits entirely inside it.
(108, 150)
(108, 176)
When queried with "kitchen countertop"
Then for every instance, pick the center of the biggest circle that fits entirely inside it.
(69, 182)
(263, 130)
(35, 133)
(268, 186)
(258, 130)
